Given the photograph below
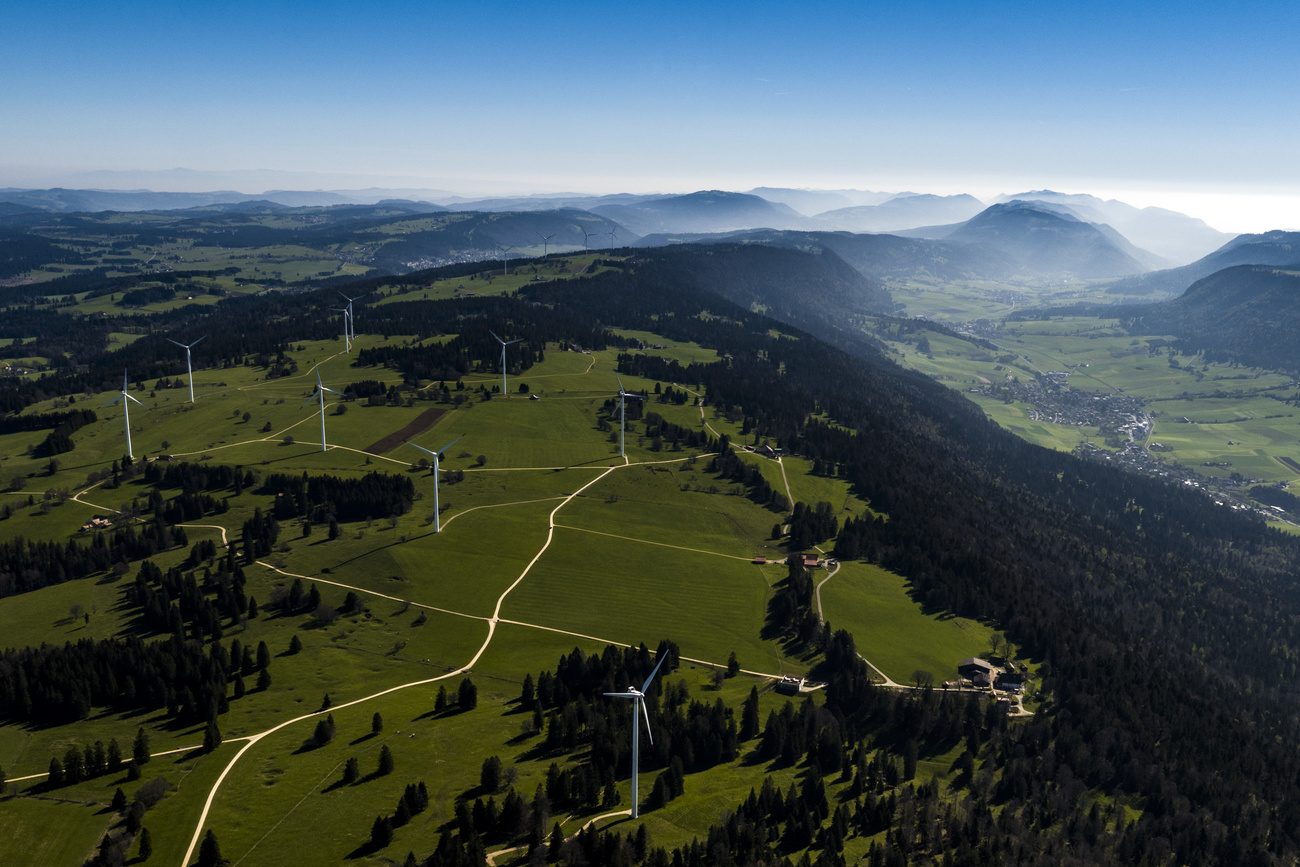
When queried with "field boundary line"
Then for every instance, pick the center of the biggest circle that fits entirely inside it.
(660, 544)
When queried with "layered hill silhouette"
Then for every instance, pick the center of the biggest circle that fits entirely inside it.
(1174, 236)
(1047, 241)
(706, 211)
(1246, 313)
(902, 212)
(1268, 248)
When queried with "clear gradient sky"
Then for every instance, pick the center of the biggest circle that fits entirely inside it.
(1188, 105)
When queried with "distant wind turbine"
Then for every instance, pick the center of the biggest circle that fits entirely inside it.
(126, 397)
(504, 344)
(621, 409)
(189, 374)
(611, 237)
(352, 317)
(585, 236)
(638, 712)
(437, 456)
(505, 260)
(347, 326)
(321, 388)
(545, 240)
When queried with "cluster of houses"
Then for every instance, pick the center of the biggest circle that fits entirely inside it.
(99, 522)
(976, 673)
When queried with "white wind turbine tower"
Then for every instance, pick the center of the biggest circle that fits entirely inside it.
(352, 319)
(504, 344)
(585, 236)
(126, 398)
(623, 396)
(611, 237)
(437, 456)
(638, 711)
(189, 374)
(321, 388)
(347, 327)
(545, 240)
(505, 260)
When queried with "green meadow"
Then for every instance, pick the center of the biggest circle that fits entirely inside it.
(579, 546)
(1215, 418)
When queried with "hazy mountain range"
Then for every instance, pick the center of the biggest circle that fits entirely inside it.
(1031, 237)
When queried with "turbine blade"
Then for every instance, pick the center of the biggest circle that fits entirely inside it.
(111, 402)
(621, 694)
(450, 444)
(494, 334)
(653, 673)
(181, 345)
(200, 340)
(137, 400)
(421, 448)
(646, 714)
(310, 399)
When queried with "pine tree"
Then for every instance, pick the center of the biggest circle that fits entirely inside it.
(263, 680)
(381, 833)
(209, 851)
(749, 716)
(385, 761)
(211, 737)
(556, 844)
(146, 844)
(467, 695)
(376, 724)
(351, 771)
(295, 645)
(140, 749)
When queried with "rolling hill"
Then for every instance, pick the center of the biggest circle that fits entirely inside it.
(1175, 236)
(902, 212)
(705, 211)
(1045, 242)
(1244, 313)
(1277, 248)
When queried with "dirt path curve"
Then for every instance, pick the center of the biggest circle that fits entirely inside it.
(492, 624)
(224, 543)
(789, 497)
(707, 426)
(76, 498)
(830, 573)
(492, 856)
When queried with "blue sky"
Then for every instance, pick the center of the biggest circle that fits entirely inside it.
(1189, 105)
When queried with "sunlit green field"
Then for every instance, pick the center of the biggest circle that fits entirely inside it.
(575, 545)
(1216, 418)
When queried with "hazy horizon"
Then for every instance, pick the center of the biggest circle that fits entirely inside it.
(1179, 107)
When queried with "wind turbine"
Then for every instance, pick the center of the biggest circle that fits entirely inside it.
(437, 456)
(545, 240)
(585, 236)
(126, 397)
(347, 321)
(504, 344)
(321, 388)
(611, 238)
(638, 711)
(622, 412)
(505, 260)
(352, 319)
(189, 374)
